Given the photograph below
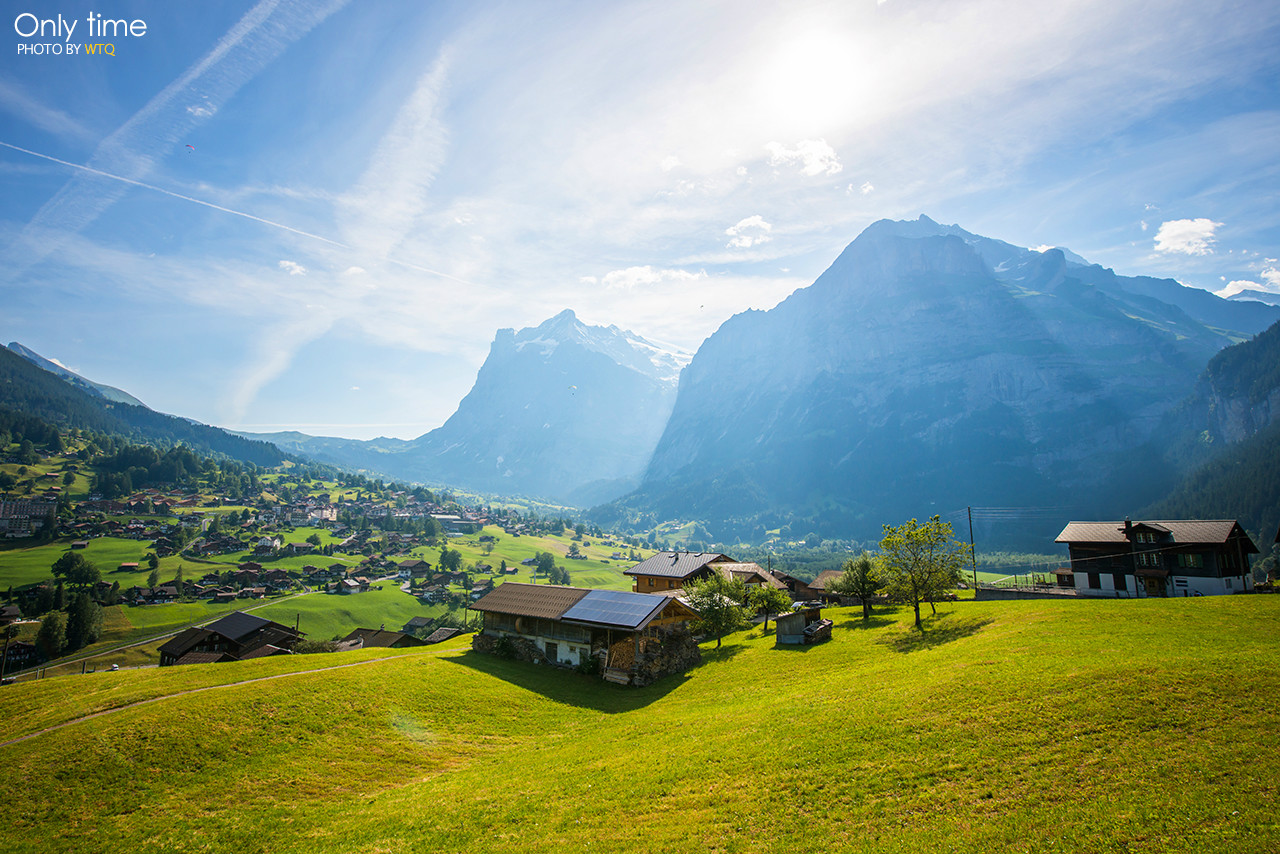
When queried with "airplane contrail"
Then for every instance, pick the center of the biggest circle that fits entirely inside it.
(231, 211)
(191, 199)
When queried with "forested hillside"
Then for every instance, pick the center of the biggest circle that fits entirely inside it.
(27, 391)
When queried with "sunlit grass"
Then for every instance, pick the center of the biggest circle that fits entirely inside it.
(1027, 726)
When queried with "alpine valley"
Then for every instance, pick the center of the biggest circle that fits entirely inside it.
(927, 370)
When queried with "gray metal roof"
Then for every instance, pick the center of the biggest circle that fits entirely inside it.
(238, 625)
(675, 564)
(1184, 531)
(616, 609)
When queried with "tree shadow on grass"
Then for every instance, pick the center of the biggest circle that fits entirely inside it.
(725, 652)
(566, 685)
(875, 621)
(940, 629)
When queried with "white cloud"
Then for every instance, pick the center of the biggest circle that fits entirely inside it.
(749, 232)
(866, 188)
(814, 156)
(293, 267)
(1270, 283)
(31, 110)
(1187, 236)
(391, 196)
(634, 277)
(670, 162)
(130, 152)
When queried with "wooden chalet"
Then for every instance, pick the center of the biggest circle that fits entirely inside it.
(235, 637)
(1157, 558)
(674, 570)
(573, 626)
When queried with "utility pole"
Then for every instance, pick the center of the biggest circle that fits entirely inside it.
(973, 556)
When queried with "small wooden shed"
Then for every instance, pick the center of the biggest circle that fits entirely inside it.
(802, 626)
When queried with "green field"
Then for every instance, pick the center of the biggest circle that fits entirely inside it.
(1022, 726)
(321, 616)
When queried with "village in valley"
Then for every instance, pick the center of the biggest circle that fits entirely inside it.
(537, 588)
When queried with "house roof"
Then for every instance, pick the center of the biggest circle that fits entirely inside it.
(383, 638)
(676, 564)
(240, 625)
(1185, 531)
(263, 651)
(442, 634)
(529, 600)
(749, 572)
(616, 609)
(824, 578)
(605, 608)
(183, 641)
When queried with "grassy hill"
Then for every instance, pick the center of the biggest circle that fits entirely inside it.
(1026, 726)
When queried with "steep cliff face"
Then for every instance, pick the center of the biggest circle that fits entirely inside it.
(1240, 390)
(563, 411)
(927, 369)
(1231, 449)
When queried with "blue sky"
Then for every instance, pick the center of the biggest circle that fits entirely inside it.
(315, 215)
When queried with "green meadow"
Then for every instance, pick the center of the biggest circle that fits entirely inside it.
(1020, 726)
(321, 616)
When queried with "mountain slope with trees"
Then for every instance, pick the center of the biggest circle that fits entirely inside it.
(929, 369)
(30, 391)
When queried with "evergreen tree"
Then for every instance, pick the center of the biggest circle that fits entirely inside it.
(52, 637)
(84, 622)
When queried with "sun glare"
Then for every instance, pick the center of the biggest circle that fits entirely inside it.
(812, 82)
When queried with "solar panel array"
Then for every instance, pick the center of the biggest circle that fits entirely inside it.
(614, 608)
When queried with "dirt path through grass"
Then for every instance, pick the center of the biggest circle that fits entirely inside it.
(189, 691)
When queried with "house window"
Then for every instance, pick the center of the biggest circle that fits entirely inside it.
(1095, 581)
(650, 582)
(1193, 561)
(1118, 581)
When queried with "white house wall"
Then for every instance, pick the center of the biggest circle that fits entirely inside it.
(1175, 586)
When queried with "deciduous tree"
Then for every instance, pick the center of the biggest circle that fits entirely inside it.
(922, 560)
(718, 601)
(860, 579)
(78, 571)
(768, 600)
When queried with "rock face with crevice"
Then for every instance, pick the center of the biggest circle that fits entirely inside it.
(563, 411)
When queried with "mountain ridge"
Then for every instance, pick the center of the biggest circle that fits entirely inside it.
(927, 369)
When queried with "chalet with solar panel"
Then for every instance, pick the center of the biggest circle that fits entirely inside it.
(629, 638)
(1157, 558)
